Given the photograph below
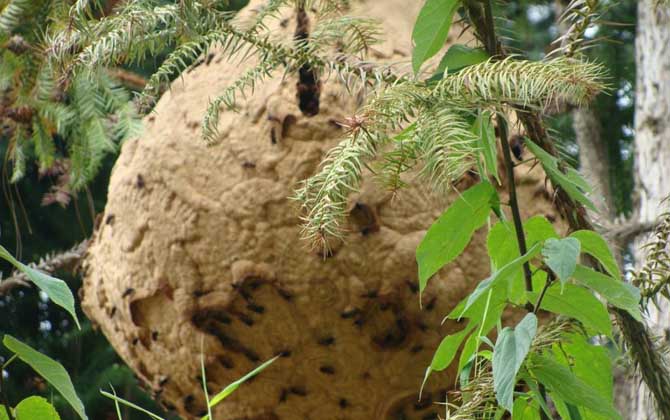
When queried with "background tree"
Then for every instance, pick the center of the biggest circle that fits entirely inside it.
(652, 170)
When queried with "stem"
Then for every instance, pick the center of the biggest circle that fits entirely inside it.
(5, 398)
(493, 50)
(543, 395)
(491, 42)
(514, 205)
(9, 362)
(550, 280)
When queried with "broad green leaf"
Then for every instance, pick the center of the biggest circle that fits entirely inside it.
(565, 411)
(447, 349)
(452, 231)
(499, 276)
(561, 381)
(446, 352)
(591, 364)
(578, 303)
(534, 388)
(525, 410)
(571, 183)
(617, 293)
(477, 310)
(234, 385)
(431, 29)
(3, 413)
(56, 289)
(485, 323)
(52, 371)
(457, 57)
(503, 248)
(596, 246)
(33, 408)
(508, 356)
(561, 256)
(486, 141)
(501, 241)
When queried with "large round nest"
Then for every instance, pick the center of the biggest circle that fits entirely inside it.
(199, 251)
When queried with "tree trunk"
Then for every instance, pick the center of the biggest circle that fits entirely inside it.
(652, 153)
(594, 160)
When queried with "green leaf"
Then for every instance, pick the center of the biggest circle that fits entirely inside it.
(486, 141)
(452, 231)
(525, 410)
(508, 356)
(479, 309)
(501, 241)
(485, 323)
(234, 385)
(571, 183)
(596, 246)
(431, 29)
(617, 293)
(561, 381)
(503, 248)
(56, 289)
(446, 352)
(501, 275)
(3, 413)
(52, 371)
(561, 256)
(591, 364)
(578, 303)
(457, 57)
(534, 388)
(447, 349)
(33, 408)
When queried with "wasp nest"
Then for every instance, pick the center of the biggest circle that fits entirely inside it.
(199, 249)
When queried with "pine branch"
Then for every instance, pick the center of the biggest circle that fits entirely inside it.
(578, 16)
(246, 82)
(525, 83)
(13, 13)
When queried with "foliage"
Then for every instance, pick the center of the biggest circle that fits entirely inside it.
(49, 369)
(222, 395)
(429, 111)
(441, 126)
(54, 373)
(75, 122)
(55, 288)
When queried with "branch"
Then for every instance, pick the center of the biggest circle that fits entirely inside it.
(643, 351)
(65, 260)
(128, 79)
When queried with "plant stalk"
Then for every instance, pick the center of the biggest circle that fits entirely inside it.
(5, 397)
(514, 205)
(550, 279)
(493, 49)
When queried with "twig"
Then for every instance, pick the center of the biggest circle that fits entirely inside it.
(550, 280)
